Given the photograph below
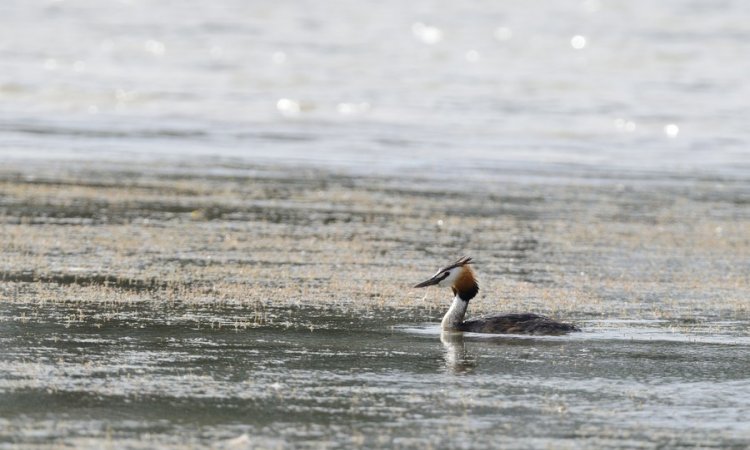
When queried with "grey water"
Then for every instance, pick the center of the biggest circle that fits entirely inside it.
(313, 378)
(557, 87)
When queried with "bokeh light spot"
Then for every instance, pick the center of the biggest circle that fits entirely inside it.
(578, 42)
(426, 33)
(671, 130)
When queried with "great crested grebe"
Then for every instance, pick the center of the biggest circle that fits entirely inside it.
(460, 277)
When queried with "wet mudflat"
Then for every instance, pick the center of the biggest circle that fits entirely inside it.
(269, 307)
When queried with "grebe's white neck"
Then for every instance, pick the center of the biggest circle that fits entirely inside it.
(455, 315)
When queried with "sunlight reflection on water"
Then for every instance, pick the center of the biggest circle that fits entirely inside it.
(493, 83)
(409, 380)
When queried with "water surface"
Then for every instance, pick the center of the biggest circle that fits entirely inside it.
(315, 378)
(210, 213)
(388, 87)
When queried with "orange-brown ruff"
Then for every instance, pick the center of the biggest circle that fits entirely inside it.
(460, 277)
(466, 281)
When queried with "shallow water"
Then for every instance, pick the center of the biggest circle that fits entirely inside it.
(264, 310)
(313, 378)
(178, 177)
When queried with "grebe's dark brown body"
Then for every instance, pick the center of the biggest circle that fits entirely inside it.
(524, 323)
(460, 277)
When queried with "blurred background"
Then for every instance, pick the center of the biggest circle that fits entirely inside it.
(592, 86)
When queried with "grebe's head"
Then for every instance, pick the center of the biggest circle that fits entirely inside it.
(459, 276)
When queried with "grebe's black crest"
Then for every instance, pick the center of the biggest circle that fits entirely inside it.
(459, 262)
(463, 282)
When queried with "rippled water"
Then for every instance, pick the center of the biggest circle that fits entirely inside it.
(314, 378)
(650, 92)
(389, 85)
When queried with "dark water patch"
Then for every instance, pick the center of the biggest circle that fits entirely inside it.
(49, 130)
(92, 212)
(85, 279)
(395, 142)
(81, 212)
(278, 137)
(249, 262)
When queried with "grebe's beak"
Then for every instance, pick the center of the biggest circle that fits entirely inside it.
(432, 281)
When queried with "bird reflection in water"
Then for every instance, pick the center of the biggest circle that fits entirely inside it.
(457, 359)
